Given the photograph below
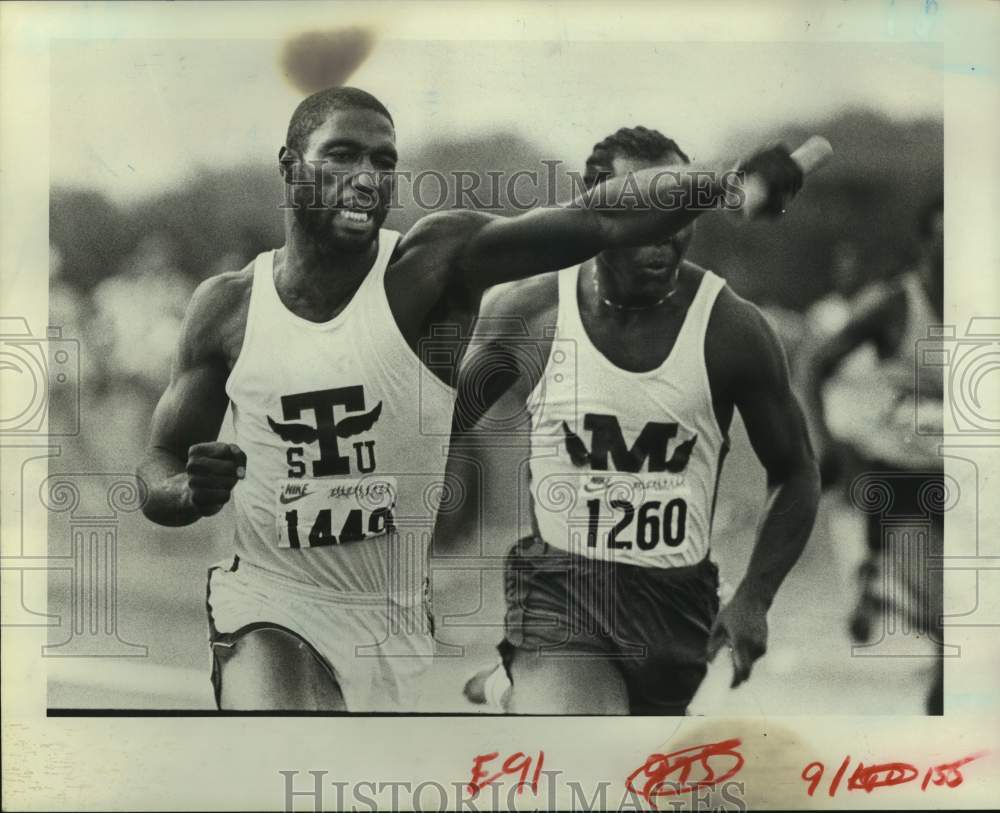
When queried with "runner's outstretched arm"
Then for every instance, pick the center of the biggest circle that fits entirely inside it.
(634, 209)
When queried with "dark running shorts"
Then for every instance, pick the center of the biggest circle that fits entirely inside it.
(654, 623)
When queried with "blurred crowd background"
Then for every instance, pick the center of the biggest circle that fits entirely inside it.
(123, 269)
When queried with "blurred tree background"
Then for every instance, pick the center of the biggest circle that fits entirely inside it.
(121, 275)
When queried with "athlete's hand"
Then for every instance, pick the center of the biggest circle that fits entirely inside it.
(213, 469)
(781, 175)
(742, 624)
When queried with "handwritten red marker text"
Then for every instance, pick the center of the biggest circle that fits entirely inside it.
(515, 764)
(885, 774)
(700, 766)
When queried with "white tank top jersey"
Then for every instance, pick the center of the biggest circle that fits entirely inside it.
(346, 436)
(906, 401)
(625, 466)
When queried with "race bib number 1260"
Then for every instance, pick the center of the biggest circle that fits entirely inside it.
(316, 513)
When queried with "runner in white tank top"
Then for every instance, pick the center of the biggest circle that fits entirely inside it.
(645, 358)
(340, 427)
(624, 465)
(338, 455)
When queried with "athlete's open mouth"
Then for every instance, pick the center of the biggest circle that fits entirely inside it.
(354, 216)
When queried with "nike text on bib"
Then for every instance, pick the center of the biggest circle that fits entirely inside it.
(316, 513)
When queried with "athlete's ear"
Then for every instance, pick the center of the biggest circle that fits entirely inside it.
(287, 158)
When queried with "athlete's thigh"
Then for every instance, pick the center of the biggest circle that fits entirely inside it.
(275, 670)
(586, 684)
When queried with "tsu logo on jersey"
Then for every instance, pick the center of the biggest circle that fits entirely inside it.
(607, 441)
(327, 430)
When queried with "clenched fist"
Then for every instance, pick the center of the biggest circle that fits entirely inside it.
(213, 469)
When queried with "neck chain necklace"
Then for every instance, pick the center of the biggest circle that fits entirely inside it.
(619, 307)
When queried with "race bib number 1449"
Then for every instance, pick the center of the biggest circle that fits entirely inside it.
(315, 513)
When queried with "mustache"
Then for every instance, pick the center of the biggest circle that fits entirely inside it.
(362, 200)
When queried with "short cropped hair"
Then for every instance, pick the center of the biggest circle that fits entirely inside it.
(313, 110)
(628, 142)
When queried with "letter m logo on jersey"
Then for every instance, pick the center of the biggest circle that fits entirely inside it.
(607, 445)
(328, 429)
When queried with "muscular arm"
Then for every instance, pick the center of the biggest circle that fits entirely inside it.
(509, 348)
(656, 203)
(448, 259)
(472, 251)
(777, 431)
(757, 373)
(633, 209)
(505, 358)
(191, 409)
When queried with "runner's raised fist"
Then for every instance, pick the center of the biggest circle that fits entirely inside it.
(213, 470)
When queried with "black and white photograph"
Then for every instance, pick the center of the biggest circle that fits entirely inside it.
(536, 380)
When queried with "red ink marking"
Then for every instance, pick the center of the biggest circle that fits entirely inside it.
(839, 775)
(659, 767)
(815, 778)
(518, 763)
(880, 776)
(475, 783)
(515, 764)
(538, 771)
(949, 773)
(887, 774)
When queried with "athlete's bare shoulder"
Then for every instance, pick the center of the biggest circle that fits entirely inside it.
(734, 317)
(417, 278)
(741, 348)
(216, 316)
(529, 305)
(446, 225)
(435, 240)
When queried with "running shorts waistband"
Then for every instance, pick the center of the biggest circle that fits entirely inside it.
(318, 593)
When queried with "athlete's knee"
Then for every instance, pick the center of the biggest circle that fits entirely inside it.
(535, 686)
(275, 669)
(268, 652)
(551, 685)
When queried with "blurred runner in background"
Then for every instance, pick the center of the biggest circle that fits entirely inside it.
(897, 437)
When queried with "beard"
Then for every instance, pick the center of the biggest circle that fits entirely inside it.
(321, 227)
